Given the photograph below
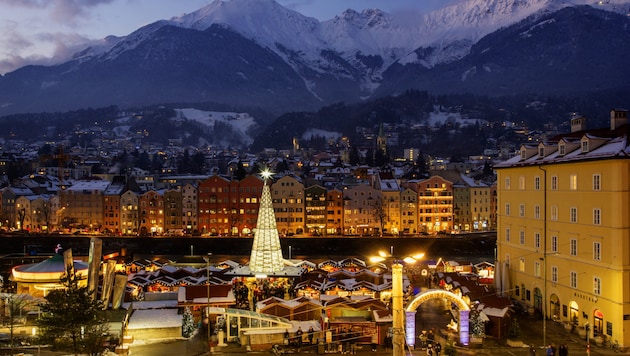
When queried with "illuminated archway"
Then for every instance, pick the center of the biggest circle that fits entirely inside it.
(410, 312)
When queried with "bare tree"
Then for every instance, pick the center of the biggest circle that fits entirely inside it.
(380, 214)
(15, 306)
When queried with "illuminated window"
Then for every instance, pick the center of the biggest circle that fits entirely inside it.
(573, 182)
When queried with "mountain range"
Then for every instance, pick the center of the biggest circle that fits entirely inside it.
(257, 53)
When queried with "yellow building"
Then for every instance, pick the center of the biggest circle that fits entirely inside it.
(564, 228)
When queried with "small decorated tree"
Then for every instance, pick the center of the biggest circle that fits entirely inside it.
(188, 324)
(477, 324)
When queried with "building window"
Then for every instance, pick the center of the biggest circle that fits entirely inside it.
(554, 213)
(597, 213)
(561, 149)
(573, 214)
(541, 151)
(507, 209)
(573, 247)
(537, 212)
(521, 237)
(521, 210)
(597, 286)
(537, 240)
(584, 146)
(521, 183)
(573, 279)
(597, 251)
(507, 235)
(554, 182)
(554, 244)
(554, 274)
(507, 183)
(521, 264)
(573, 182)
(537, 183)
(537, 269)
(597, 182)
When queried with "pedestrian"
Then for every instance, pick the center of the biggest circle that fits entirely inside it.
(438, 348)
(532, 350)
(563, 350)
(430, 350)
(286, 336)
(389, 337)
(298, 334)
(311, 334)
(551, 350)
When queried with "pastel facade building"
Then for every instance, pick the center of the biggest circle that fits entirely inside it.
(564, 227)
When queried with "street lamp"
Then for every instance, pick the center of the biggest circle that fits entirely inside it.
(398, 314)
(207, 259)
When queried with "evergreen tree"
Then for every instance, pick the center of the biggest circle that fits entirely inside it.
(188, 324)
(71, 319)
(354, 157)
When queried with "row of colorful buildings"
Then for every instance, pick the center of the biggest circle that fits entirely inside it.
(381, 204)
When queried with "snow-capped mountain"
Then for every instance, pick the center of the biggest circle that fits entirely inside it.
(258, 53)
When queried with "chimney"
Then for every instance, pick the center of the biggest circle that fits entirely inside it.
(618, 118)
(578, 123)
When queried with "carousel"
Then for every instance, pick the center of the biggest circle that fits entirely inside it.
(36, 279)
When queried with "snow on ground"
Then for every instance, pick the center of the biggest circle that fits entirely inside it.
(438, 118)
(155, 318)
(240, 122)
(320, 133)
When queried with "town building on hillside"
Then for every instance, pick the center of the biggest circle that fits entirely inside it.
(563, 227)
(334, 212)
(288, 202)
(83, 203)
(315, 210)
(129, 213)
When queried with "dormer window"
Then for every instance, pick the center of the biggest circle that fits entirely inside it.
(523, 153)
(561, 149)
(541, 152)
(584, 146)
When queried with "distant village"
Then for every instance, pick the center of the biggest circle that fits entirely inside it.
(138, 188)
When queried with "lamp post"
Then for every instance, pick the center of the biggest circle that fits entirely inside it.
(398, 313)
(207, 259)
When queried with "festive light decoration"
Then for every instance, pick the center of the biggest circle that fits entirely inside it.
(266, 256)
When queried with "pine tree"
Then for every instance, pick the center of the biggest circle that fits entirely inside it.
(188, 324)
(71, 319)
